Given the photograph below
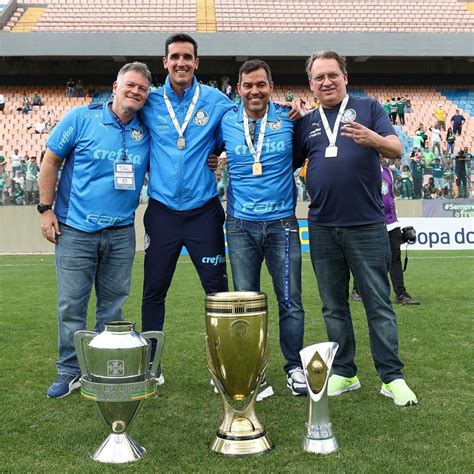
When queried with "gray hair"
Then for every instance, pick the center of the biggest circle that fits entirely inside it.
(136, 66)
(341, 60)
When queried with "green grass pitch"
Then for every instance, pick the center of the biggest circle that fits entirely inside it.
(176, 425)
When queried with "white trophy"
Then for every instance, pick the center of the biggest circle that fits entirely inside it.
(317, 362)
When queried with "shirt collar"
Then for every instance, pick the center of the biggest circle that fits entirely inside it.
(188, 93)
(272, 113)
(109, 119)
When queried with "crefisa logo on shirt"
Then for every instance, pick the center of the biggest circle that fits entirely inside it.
(275, 125)
(201, 118)
(349, 115)
(136, 134)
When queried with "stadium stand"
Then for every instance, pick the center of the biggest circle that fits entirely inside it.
(222, 16)
(14, 132)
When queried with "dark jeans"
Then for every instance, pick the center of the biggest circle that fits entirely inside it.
(364, 251)
(166, 232)
(417, 187)
(396, 271)
(250, 242)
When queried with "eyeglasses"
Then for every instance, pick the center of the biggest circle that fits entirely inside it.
(333, 76)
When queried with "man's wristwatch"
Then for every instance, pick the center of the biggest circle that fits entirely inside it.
(43, 207)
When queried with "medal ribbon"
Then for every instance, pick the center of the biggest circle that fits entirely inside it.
(263, 125)
(332, 135)
(187, 118)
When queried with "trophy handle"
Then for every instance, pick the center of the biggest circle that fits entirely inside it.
(160, 344)
(80, 339)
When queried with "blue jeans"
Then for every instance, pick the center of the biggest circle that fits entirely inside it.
(364, 251)
(250, 242)
(103, 259)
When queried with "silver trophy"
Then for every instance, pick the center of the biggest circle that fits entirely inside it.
(317, 362)
(118, 375)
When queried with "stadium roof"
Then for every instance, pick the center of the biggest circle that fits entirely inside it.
(215, 45)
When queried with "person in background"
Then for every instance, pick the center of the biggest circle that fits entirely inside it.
(438, 172)
(401, 110)
(417, 172)
(450, 141)
(457, 121)
(396, 240)
(31, 181)
(440, 115)
(37, 99)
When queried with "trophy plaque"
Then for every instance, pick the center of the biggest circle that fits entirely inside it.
(237, 356)
(118, 375)
(317, 362)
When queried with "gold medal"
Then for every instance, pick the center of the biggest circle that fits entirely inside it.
(181, 143)
(257, 168)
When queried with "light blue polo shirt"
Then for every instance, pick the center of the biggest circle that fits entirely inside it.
(90, 141)
(271, 195)
(180, 178)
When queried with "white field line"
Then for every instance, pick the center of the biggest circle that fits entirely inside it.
(188, 261)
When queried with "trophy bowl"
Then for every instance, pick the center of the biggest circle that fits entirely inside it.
(116, 374)
(237, 356)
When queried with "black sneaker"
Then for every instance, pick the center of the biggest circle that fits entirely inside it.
(296, 382)
(355, 295)
(405, 298)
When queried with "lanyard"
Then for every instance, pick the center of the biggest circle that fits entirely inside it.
(122, 126)
(263, 125)
(287, 268)
(332, 135)
(180, 129)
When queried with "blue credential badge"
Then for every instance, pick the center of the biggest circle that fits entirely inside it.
(124, 176)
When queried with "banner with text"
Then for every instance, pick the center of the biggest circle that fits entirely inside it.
(435, 233)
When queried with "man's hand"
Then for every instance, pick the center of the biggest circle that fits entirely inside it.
(212, 162)
(389, 146)
(49, 226)
(294, 113)
(360, 134)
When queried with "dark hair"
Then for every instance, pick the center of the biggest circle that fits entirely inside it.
(181, 38)
(341, 60)
(141, 68)
(254, 65)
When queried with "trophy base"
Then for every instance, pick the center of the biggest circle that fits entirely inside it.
(245, 446)
(118, 449)
(320, 446)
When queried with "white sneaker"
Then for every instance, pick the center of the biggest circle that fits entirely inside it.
(296, 382)
(160, 380)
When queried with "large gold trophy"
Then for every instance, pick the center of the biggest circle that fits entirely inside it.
(237, 356)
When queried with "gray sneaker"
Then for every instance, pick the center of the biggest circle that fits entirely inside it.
(355, 295)
(405, 298)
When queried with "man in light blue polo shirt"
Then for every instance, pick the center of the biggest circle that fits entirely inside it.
(104, 150)
(184, 209)
(261, 198)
